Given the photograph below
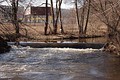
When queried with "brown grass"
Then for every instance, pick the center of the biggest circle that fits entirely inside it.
(36, 31)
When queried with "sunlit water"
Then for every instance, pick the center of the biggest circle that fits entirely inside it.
(25, 63)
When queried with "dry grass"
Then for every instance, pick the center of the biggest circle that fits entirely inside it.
(36, 31)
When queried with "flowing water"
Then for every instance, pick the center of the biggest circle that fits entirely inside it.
(25, 63)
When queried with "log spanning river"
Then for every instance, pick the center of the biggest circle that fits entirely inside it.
(26, 63)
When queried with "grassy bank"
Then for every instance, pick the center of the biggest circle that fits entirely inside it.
(35, 32)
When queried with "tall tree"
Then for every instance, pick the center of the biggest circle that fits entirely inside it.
(52, 11)
(15, 22)
(77, 15)
(87, 16)
(61, 22)
(46, 22)
(82, 15)
(58, 8)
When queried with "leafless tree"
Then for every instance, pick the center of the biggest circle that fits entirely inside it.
(61, 22)
(15, 22)
(87, 16)
(46, 22)
(77, 15)
(12, 10)
(52, 12)
(82, 15)
(56, 18)
(108, 11)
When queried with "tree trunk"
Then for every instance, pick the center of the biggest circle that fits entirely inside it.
(15, 18)
(77, 15)
(57, 16)
(58, 7)
(87, 19)
(53, 15)
(61, 28)
(46, 22)
(82, 18)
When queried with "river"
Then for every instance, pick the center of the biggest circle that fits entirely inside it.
(25, 63)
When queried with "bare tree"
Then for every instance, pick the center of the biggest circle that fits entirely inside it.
(82, 15)
(16, 4)
(77, 15)
(108, 11)
(61, 28)
(12, 13)
(87, 16)
(15, 22)
(58, 9)
(53, 14)
(46, 22)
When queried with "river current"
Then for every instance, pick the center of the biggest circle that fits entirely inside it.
(25, 63)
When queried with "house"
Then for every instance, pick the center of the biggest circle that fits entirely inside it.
(36, 14)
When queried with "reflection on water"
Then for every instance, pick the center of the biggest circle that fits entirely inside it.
(26, 63)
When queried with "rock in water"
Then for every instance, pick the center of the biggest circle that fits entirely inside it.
(4, 46)
(111, 48)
